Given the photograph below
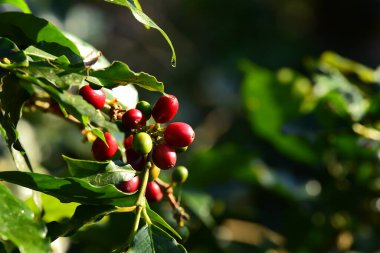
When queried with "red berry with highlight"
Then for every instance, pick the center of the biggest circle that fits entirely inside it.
(129, 186)
(133, 119)
(102, 151)
(179, 134)
(164, 156)
(97, 98)
(153, 192)
(165, 108)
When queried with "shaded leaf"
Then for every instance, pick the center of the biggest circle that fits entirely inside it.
(10, 55)
(70, 189)
(144, 19)
(155, 217)
(19, 226)
(201, 204)
(152, 239)
(12, 108)
(120, 74)
(84, 214)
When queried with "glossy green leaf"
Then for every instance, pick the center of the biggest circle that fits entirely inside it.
(19, 226)
(267, 111)
(156, 218)
(70, 189)
(26, 29)
(10, 55)
(152, 239)
(41, 54)
(83, 215)
(21, 4)
(84, 168)
(113, 174)
(144, 19)
(99, 173)
(120, 74)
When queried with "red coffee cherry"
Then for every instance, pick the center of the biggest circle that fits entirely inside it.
(97, 98)
(136, 160)
(133, 119)
(129, 186)
(128, 142)
(103, 152)
(165, 108)
(179, 134)
(153, 192)
(164, 156)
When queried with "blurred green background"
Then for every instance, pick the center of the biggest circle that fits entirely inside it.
(286, 157)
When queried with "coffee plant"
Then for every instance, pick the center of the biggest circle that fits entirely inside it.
(41, 69)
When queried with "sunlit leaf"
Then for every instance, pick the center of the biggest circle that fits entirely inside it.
(70, 189)
(120, 74)
(21, 4)
(18, 225)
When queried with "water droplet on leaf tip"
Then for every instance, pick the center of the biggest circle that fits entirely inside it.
(174, 63)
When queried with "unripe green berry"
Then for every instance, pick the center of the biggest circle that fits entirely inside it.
(142, 143)
(145, 108)
(180, 174)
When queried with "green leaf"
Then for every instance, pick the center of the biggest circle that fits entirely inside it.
(19, 226)
(18, 3)
(70, 189)
(84, 214)
(84, 168)
(120, 74)
(26, 29)
(201, 204)
(155, 217)
(99, 173)
(343, 96)
(144, 19)
(267, 111)
(41, 54)
(152, 239)
(10, 55)
(12, 108)
(113, 174)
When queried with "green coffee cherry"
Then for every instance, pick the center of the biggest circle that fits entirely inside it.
(145, 108)
(180, 174)
(142, 143)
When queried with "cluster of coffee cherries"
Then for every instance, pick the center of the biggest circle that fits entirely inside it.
(152, 146)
